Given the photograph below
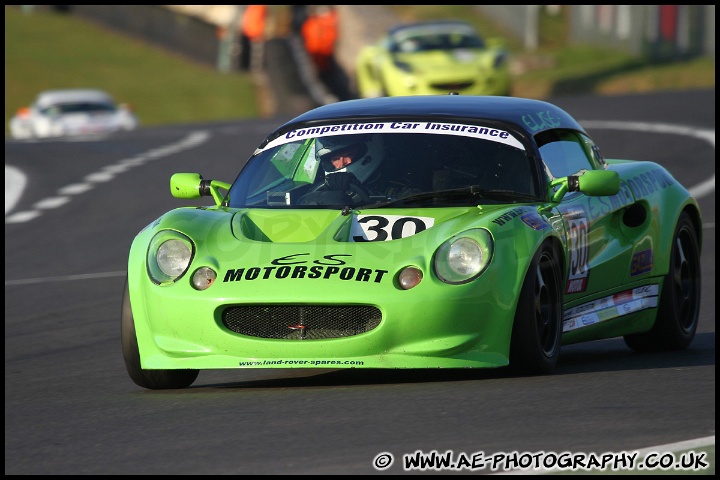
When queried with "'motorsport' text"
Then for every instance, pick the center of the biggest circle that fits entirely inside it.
(296, 267)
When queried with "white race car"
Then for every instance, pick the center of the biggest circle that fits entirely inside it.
(56, 113)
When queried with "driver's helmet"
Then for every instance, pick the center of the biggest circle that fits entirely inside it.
(365, 150)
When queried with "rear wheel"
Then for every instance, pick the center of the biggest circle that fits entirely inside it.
(679, 308)
(537, 329)
(152, 379)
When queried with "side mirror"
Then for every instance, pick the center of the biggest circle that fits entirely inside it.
(192, 185)
(186, 185)
(597, 183)
(594, 183)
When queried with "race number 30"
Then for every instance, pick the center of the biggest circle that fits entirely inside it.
(380, 228)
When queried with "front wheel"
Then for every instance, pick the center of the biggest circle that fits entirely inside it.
(151, 379)
(537, 329)
(679, 308)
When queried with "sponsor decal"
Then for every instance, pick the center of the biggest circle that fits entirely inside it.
(578, 229)
(601, 206)
(298, 266)
(457, 129)
(379, 228)
(540, 121)
(279, 361)
(642, 262)
(650, 182)
(534, 221)
(576, 285)
(610, 307)
(509, 215)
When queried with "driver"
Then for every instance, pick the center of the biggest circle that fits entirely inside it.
(352, 167)
(349, 159)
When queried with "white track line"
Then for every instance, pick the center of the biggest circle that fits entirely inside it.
(15, 180)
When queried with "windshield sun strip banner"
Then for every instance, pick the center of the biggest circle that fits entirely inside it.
(612, 306)
(426, 127)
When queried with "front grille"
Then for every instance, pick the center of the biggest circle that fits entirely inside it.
(301, 322)
(452, 86)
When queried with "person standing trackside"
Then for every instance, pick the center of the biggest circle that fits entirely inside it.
(320, 33)
(298, 15)
(252, 31)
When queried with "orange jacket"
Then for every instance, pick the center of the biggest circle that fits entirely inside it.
(320, 33)
(253, 21)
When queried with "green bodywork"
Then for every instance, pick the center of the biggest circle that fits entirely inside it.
(291, 257)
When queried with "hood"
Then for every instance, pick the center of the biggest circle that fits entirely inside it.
(89, 122)
(268, 245)
(368, 225)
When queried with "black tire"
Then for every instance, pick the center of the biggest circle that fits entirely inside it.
(537, 329)
(151, 379)
(679, 307)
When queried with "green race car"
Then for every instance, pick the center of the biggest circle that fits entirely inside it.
(431, 58)
(413, 232)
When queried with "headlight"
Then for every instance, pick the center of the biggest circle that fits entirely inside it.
(43, 127)
(169, 256)
(499, 60)
(464, 257)
(403, 66)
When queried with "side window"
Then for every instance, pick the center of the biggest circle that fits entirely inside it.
(390, 44)
(596, 155)
(565, 152)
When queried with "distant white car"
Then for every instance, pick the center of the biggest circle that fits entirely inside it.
(57, 113)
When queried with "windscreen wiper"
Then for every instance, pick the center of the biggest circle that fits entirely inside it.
(471, 193)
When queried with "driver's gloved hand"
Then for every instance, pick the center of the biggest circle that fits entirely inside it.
(341, 181)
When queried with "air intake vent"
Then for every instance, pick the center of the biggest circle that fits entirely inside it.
(301, 322)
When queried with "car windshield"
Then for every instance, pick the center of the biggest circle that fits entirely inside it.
(426, 38)
(79, 107)
(437, 165)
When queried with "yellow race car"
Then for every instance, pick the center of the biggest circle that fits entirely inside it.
(430, 58)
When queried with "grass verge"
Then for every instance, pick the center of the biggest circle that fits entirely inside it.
(48, 50)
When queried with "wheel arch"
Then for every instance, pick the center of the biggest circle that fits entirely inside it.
(559, 250)
(694, 211)
(533, 339)
(662, 254)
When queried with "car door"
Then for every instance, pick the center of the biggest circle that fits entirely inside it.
(597, 252)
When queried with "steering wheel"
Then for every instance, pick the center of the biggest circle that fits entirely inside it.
(357, 195)
(323, 195)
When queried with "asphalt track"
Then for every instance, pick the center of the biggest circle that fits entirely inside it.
(70, 407)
